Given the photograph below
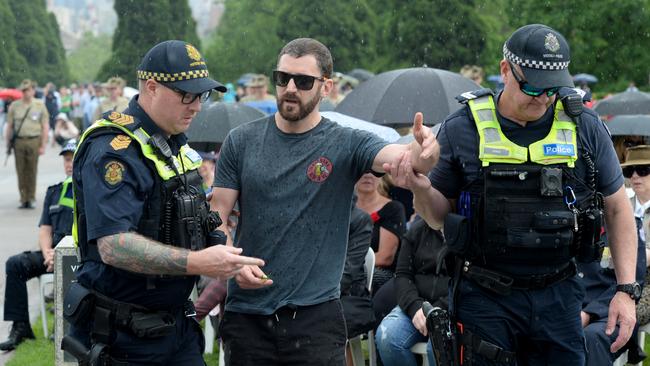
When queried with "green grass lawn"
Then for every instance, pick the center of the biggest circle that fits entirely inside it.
(40, 352)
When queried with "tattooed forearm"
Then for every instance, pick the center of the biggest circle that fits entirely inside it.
(136, 253)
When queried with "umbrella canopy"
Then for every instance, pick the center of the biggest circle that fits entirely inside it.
(629, 102)
(584, 79)
(634, 124)
(384, 132)
(361, 74)
(13, 94)
(392, 98)
(211, 126)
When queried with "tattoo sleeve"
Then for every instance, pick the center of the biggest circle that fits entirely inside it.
(136, 253)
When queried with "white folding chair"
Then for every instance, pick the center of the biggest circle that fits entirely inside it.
(355, 343)
(420, 348)
(222, 355)
(44, 280)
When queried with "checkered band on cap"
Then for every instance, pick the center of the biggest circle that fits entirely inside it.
(534, 64)
(177, 76)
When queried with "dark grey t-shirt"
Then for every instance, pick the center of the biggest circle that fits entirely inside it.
(295, 192)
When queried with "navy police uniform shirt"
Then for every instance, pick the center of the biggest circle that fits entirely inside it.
(115, 181)
(459, 163)
(55, 215)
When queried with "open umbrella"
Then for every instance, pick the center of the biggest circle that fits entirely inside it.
(393, 97)
(634, 124)
(12, 94)
(211, 126)
(584, 79)
(629, 102)
(384, 132)
(361, 74)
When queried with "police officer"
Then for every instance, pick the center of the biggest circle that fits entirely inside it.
(113, 99)
(142, 222)
(56, 223)
(28, 120)
(525, 173)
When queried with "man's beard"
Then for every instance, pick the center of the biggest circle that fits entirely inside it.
(295, 113)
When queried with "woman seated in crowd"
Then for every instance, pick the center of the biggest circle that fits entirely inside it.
(64, 129)
(637, 170)
(415, 282)
(389, 224)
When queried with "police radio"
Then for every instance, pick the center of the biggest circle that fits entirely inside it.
(572, 101)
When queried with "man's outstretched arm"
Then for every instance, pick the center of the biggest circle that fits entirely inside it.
(136, 253)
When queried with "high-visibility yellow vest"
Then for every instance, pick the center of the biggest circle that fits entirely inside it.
(63, 200)
(186, 160)
(558, 147)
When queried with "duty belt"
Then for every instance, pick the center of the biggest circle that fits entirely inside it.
(503, 284)
(135, 319)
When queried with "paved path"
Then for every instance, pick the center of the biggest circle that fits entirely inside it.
(18, 228)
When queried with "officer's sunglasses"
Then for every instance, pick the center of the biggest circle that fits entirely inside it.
(529, 89)
(189, 98)
(303, 82)
(641, 170)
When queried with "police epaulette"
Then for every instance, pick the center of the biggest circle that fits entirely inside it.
(118, 118)
(467, 96)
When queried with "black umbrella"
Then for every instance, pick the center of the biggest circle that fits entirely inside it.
(361, 74)
(211, 126)
(629, 102)
(393, 97)
(584, 79)
(633, 124)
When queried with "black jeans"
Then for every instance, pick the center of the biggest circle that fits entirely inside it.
(303, 335)
(20, 268)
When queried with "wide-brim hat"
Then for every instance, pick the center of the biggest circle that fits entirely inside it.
(543, 55)
(637, 155)
(178, 64)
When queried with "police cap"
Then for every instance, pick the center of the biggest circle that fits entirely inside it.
(179, 64)
(69, 146)
(543, 55)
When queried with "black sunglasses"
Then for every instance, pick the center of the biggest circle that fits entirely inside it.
(303, 82)
(189, 98)
(641, 170)
(529, 89)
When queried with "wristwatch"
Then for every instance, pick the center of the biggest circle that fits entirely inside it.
(632, 289)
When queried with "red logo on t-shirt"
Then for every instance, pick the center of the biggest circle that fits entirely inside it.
(319, 170)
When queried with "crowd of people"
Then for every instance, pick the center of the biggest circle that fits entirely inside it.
(514, 200)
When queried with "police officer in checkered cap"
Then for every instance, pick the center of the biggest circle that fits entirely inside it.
(520, 174)
(142, 221)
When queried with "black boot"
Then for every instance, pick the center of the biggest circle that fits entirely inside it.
(19, 332)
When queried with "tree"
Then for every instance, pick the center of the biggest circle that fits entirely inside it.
(436, 33)
(182, 23)
(12, 63)
(605, 40)
(348, 29)
(141, 25)
(246, 40)
(38, 40)
(86, 60)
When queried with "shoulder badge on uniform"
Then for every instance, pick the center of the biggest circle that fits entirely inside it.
(113, 172)
(118, 118)
(120, 142)
(467, 96)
